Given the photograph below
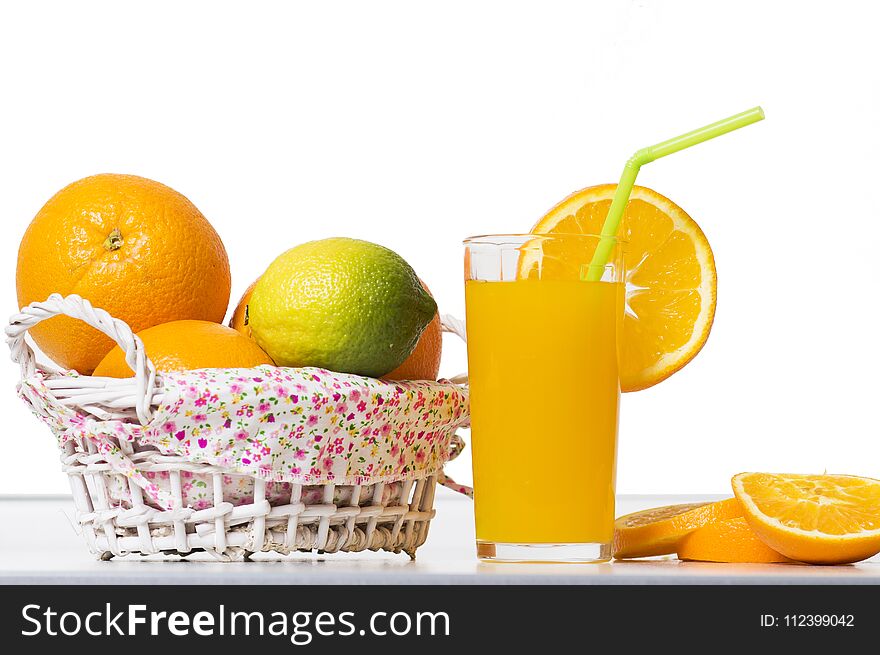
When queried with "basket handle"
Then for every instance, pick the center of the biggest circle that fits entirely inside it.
(456, 326)
(76, 307)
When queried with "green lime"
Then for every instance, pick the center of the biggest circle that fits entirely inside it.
(342, 304)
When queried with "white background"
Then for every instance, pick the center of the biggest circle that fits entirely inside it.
(415, 124)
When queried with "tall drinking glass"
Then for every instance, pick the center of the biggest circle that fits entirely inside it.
(543, 347)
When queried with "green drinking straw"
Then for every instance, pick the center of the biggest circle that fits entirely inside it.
(645, 156)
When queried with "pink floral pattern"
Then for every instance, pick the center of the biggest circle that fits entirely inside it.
(304, 426)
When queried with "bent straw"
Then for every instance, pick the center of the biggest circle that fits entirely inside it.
(646, 156)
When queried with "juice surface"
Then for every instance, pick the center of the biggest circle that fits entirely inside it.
(544, 393)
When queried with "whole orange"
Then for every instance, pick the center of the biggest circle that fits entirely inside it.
(240, 320)
(185, 345)
(131, 246)
(424, 361)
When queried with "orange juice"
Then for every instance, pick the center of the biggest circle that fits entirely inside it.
(544, 389)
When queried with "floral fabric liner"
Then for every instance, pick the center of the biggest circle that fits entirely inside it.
(305, 426)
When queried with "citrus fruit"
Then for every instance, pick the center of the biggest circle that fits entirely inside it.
(129, 245)
(185, 345)
(342, 304)
(240, 320)
(731, 540)
(659, 531)
(670, 278)
(423, 363)
(820, 519)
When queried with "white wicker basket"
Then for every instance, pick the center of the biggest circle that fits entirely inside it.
(392, 517)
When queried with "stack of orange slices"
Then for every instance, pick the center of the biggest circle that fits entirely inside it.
(816, 519)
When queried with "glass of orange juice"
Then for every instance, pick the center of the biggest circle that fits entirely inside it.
(543, 347)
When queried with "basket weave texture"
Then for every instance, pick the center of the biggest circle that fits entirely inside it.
(236, 461)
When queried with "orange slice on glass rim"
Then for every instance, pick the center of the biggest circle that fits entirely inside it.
(670, 278)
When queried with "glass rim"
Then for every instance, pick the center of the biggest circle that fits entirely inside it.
(496, 239)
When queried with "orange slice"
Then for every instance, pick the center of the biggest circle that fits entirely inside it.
(821, 519)
(727, 541)
(659, 531)
(671, 280)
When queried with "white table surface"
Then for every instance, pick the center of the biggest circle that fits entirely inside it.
(38, 545)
